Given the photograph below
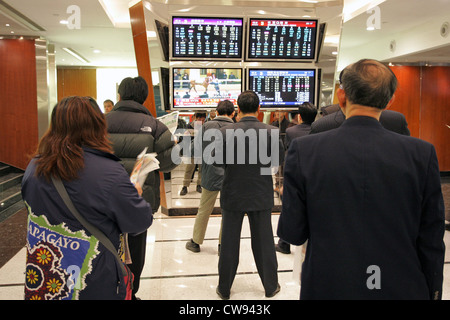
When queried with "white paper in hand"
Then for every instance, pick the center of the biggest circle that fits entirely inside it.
(145, 163)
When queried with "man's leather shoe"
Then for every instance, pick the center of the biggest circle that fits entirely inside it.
(192, 246)
(222, 296)
(183, 191)
(270, 295)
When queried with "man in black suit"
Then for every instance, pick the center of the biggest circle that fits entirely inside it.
(248, 189)
(368, 201)
(307, 113)
(391, 120)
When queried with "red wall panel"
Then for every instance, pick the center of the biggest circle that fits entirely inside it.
(18, 103)
(407, 96)
(423, 96)
(435, 115)
(76, 82)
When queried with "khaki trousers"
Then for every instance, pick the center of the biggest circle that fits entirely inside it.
(207, 201)
(188, 174)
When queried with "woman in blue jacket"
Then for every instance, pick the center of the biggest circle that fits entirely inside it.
(64, 261)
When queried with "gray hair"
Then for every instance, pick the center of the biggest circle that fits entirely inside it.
(368, 83)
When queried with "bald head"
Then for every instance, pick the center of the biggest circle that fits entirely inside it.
(368, 83)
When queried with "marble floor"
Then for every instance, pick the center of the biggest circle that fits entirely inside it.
(174, 273)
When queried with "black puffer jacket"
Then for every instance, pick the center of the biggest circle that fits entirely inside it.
(132, 128)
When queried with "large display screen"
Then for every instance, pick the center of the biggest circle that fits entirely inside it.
(203, 88)
(283, 88)
(206, 38)
(282, 39)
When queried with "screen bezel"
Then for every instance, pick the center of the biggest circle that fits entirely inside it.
(286, 108)
(206, 108)
(211, 57)
(303, 60)
(164, 87)
(163, 38)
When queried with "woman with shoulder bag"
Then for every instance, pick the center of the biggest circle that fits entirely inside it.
(66, 259)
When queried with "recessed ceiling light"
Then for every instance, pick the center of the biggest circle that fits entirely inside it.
(75, 54)
(12, 31)
(64, 22)
(334, 53)
(370, 28)
(7, 24)
(96, 51)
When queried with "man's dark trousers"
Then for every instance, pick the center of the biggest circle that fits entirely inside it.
(262, 247)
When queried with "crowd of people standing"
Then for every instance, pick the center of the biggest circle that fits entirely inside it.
(365, 197)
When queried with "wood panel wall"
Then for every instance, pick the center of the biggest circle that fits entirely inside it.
(407, 96)
(423, 97)
(18, 103)
(434, 112)
(76, 82)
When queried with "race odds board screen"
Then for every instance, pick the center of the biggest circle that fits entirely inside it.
(210, 38)
(283, 88)
(282, 39)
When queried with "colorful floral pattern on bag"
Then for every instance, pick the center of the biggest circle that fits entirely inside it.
(44, 277)
(58, 260)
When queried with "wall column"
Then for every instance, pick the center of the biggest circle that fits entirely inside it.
(18, 105)
(139, 31)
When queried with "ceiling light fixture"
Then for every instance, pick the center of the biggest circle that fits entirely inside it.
(76, 55)
(64, 22)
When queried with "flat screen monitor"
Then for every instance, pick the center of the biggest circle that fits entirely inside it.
(203, 88)
(283, 88)
(321, 39)
(163, 36)
(204, 38)
(165, 87)
(282, 39)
